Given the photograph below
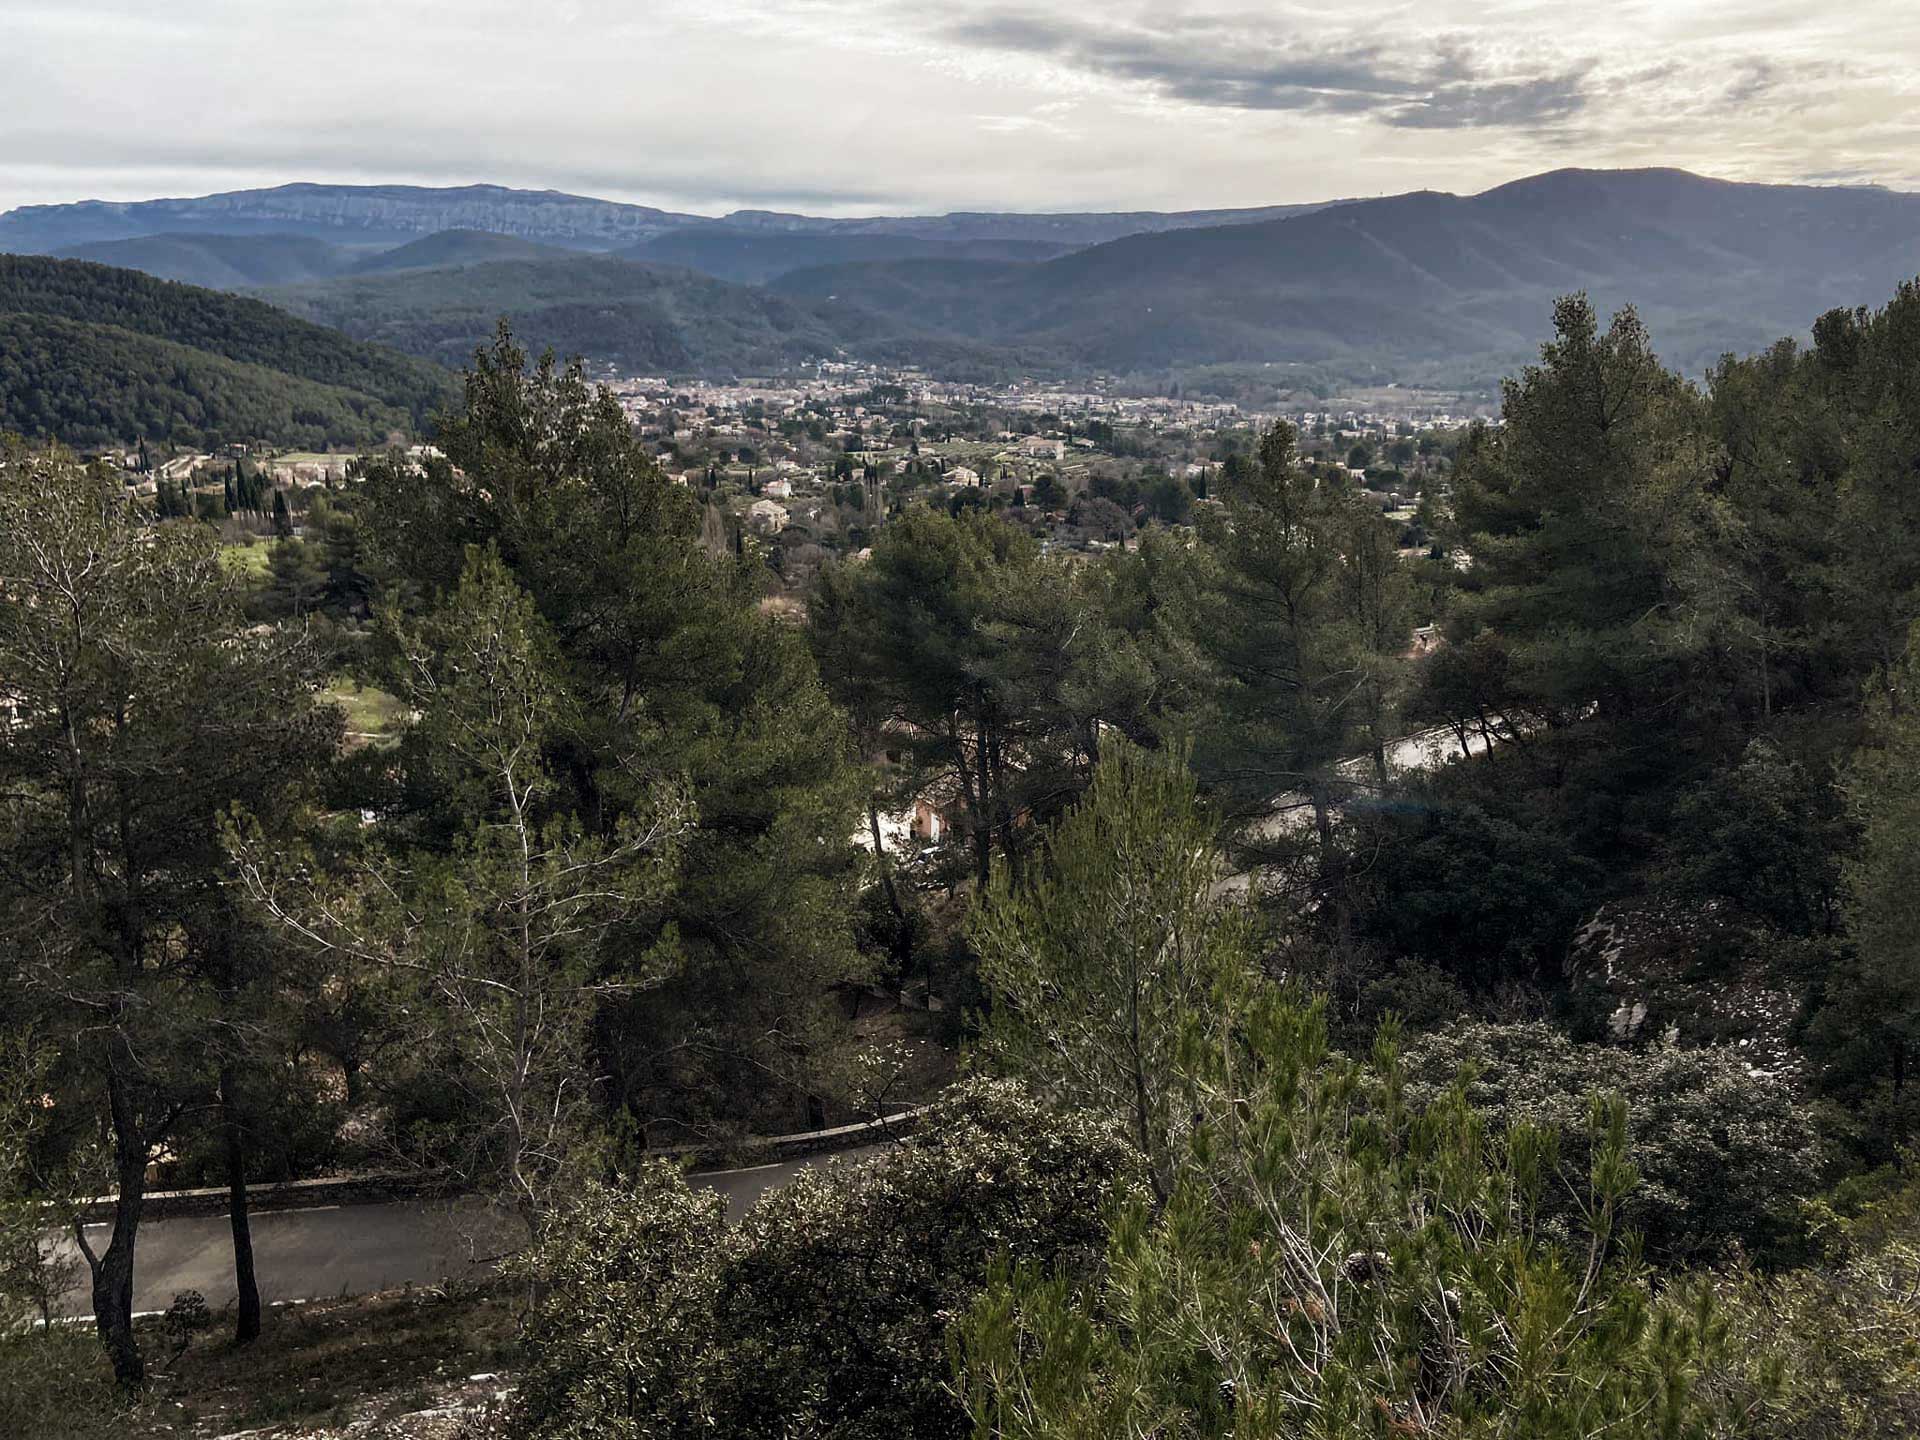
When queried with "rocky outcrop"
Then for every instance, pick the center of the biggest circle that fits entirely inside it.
(347, 213)
(1661, 973)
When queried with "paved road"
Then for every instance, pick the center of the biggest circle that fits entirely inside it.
(352, 1249)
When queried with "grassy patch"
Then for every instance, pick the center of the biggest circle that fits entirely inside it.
(310, 457)
(378, 1356)
(373, 716)
(251, 561)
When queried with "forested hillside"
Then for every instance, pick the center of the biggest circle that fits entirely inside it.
(117, 352)
(221, 262)
(100, 385)
(454, 247)
(641, 317)
(1426, 284)
(753, 257)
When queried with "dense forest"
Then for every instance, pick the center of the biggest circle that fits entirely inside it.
(100, 385)
(639, 317)
(1505, 1035)
(98, 355)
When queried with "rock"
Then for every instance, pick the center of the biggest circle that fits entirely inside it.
(1687, 978)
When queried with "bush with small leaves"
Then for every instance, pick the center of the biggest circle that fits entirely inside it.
(826, 1310)
(1725, 1156)
(186, 1317)
(1832, 1351)
(1335, 1262)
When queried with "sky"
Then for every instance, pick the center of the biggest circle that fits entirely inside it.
(919, 106)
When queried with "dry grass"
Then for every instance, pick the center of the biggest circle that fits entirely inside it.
(375, 1363)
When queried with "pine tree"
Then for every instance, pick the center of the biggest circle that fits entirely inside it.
(1097, 966)
(145, 709)
(501, 929)
(672, 672)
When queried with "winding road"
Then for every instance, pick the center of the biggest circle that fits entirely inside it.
(330, 1250)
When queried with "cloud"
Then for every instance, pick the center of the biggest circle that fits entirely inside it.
(915, 106)
(1241, 64)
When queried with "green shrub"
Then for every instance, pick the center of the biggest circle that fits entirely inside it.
(825, 1310)
(1339, 1263)
(55, 1385)
(1725, 1156)
(1832, 1351)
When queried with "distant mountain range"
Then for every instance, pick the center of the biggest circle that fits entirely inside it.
(1425, 281)
(394, 214)
(1429, 287)
(348, 214)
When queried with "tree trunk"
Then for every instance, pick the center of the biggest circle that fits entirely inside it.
(1005, 811)
(880, 856)
(247, 1321)
(983, 813)
(1333, 866)
(113, 1271)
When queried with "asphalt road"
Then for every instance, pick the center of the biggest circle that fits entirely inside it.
(351, 1249)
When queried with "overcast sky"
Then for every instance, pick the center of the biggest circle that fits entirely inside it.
(851, 106)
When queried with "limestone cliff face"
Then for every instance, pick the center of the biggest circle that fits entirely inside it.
(347, 213)
(393, 214)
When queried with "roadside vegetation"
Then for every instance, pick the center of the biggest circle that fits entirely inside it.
(315, 1369)
(1560, 1086)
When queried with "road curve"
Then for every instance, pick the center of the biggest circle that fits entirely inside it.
(352, 1249)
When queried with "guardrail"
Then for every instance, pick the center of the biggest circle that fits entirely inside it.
(407, 1185)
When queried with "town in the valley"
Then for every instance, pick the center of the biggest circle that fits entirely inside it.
(812, 466)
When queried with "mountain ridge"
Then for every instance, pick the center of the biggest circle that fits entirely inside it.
(1428, 277)
(396, 213)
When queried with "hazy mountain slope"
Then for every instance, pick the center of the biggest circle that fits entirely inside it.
(751, 257)
(347, 213)
(222, 262)
(1066, 229)
(1426, 278)
(638, 316)
(327, 382)
(395, 214)
(455, 247)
